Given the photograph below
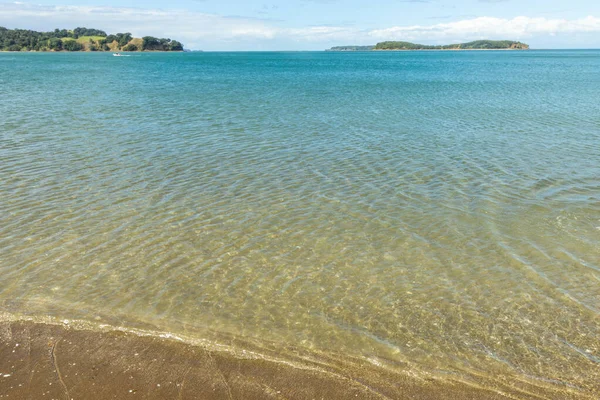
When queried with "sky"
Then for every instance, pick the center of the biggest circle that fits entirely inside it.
(257, 25)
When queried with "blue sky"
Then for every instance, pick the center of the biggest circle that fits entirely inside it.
(319, 24)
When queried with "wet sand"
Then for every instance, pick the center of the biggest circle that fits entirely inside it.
(59, 362)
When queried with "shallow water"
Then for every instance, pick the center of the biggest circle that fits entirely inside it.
(440, 209)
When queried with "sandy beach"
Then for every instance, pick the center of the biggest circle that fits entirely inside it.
(58, 362)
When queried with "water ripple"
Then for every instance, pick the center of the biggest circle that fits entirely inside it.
(441, 209)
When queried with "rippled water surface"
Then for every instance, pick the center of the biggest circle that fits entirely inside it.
(440, 209)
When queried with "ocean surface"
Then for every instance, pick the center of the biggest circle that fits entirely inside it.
(436, 211)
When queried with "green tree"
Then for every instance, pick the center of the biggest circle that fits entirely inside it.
(78, 32)
(55, 44)
(72, 45)
(124, 38)
(150, 43)
(176, 46)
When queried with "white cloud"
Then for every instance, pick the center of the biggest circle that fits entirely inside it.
(489, 27)
(214, 32)
(321, 33)
(188, 27)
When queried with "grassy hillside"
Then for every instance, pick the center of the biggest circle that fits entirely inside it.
(85, 39)
(88, 43)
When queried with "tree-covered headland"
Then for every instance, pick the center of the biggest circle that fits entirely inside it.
(81, 39)
(351, 48)
(475, 45)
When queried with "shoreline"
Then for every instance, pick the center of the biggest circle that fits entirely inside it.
(274, 51)
(450, 49)
(62, 361)
(408, 50)
(97, 51)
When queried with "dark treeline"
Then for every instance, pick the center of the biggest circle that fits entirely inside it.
(81, 39)
(152, 43)
(476, 45)
(351, 48)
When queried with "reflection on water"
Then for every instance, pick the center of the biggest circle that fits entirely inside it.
(441, 209)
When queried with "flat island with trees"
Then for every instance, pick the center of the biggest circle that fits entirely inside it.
(475, 45)
(81, 39)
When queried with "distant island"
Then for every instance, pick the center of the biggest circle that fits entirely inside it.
(81, 39)
(351, 48)
(476, 45)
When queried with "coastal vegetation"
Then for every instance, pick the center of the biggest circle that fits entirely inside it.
(81, 39)
(351, 48)
(475, 45)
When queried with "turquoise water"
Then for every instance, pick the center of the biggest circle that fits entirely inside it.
(433, 209)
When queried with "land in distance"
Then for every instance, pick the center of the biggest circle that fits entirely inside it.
(81, 39)
(475, 45)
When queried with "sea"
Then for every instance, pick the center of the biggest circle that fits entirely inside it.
(430, 211)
